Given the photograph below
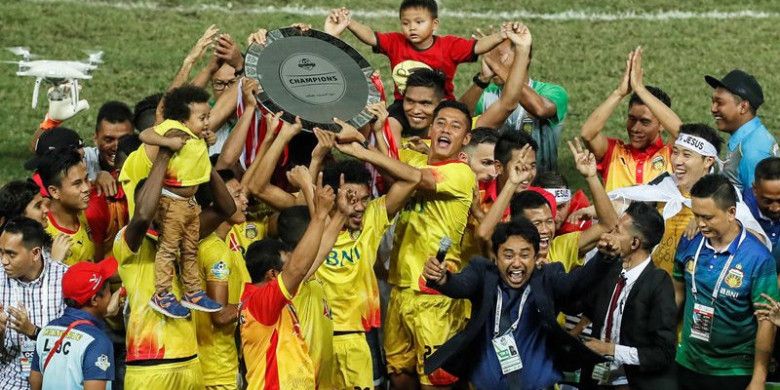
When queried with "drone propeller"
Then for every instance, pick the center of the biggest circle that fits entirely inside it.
(24, 52)
(95, 56)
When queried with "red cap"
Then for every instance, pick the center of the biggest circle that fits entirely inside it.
(83, 280)
(548, 196)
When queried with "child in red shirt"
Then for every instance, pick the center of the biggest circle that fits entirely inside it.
(417, 46)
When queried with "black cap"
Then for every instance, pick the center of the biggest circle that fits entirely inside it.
(56, 139)
(741, 84)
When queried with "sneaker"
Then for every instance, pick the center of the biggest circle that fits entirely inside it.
(167, 304)
(201, 302)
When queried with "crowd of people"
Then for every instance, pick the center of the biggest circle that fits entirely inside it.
(204, 242)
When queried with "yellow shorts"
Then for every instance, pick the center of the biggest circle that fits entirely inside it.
(182, 376)
(416, 325)
(352, 361)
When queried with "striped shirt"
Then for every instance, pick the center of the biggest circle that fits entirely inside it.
(42, 298)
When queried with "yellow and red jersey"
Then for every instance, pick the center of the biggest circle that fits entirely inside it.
(565, 249)
(624, 166)
(82, 248)
(150, 335)
(348, 272)
(427, 218)
(275, 352)
(316, 324)
(190, 166)
(217, 344)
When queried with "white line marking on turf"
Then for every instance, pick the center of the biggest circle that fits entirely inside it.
(569, 15)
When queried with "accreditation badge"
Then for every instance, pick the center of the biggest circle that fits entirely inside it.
(701, 326)
(602, 373)
(26, 356)
(506, 351)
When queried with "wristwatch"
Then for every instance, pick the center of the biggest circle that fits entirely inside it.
(239, 72)
(479, 83)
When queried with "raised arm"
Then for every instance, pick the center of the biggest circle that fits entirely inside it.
(406, 177)
(235, 142)
(305, 253)
(497, 113)
(194, 55)
(591, 129)
(489, 42)
(669, 120)
(519, 170)
(222, 208)
(260, 185)
(362, 32)
(608, 218)
(146, 201)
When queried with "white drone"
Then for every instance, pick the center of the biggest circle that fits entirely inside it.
(55, 72)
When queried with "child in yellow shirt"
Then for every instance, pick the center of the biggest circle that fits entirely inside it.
(186, 113)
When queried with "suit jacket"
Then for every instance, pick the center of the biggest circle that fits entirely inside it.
(552, 287)
(649, 324)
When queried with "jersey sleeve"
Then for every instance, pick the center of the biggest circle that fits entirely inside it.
(454, 179)
(98, 362)
(212, 261)
(603, 165)
(460, 49)
(266, 304)
(764, 280)
(387, 43)
(122, 251)
(558, 96)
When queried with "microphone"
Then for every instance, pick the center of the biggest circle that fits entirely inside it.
(444, 246)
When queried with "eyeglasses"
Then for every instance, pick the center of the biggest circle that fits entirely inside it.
(221, 84)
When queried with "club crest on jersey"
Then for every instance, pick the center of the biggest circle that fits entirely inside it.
(734, 277)
(102, 362)
(658, 163)
(251, 231)
(220, 270)
(689, 265)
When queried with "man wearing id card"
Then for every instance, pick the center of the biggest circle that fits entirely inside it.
(513, 340)
(718, 276)
(30, 297)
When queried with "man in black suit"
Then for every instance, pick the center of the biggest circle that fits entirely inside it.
(633, 309)
(513, 340)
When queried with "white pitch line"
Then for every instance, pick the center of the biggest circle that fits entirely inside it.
(569, 15)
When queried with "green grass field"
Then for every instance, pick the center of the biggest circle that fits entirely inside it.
(143, 49)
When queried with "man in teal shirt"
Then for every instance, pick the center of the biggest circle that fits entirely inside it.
(718, 276)
(735, 101)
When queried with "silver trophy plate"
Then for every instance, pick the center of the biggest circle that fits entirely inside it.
(314, 76)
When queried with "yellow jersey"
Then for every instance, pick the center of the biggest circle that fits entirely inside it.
(82, 248)
(150, 335)
(429, 217)
(244, 234)
(217, 344)
(317, 329)
(565, 249)
(189, 166)
(348, 272)
(136, 167)
(271, 340)
(663, 256)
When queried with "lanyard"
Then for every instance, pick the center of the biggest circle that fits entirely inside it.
(499, 301)
(723, 271)
(59, 341)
